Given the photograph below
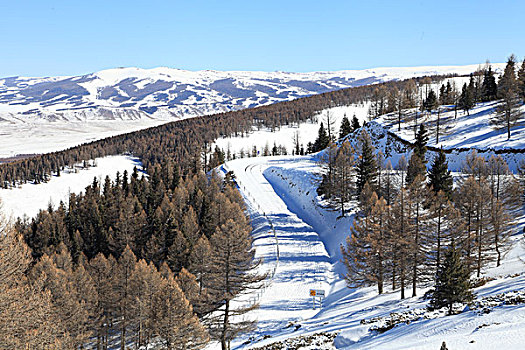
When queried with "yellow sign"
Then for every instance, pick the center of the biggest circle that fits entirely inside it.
(312, 292)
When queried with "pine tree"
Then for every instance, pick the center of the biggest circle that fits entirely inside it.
(101, 270)
(199, 261)
(327, 163)
(508, 112)
(445, 226)
(415, 168)
(473, 201)
(178, 252)
(123, 291)
(174, 320)
(345, 128)
(417, 162)
(473, 89)
(466, 100)
(366, 165)
(322, 140)
(355, 123)
(198, 298)
(431, 102)
(452, 282)
(65, 297)
(145, 284)
(439, 177)
(489, 88)
(27, 319)
(419, 240)
(420, 144)
(400, 240)
(521, 81)
(366, 251)
(448, 97)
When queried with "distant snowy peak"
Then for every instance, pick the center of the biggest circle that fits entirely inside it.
(167, 93)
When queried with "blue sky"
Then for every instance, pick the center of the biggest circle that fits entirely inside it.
(46, 37)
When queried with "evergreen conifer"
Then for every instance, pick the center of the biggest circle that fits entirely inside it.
(367, 169)
(355, 123)
(439, 176)
(420, 144)
(466, 101)
(346, 128)
(521, 81)
(452, 282)
(489, 89)
(322, 140)
(431, 102)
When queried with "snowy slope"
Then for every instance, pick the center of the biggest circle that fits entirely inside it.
(72, 110)
(283, 188)
(473, 130)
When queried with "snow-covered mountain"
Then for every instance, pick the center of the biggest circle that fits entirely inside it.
(134, 93)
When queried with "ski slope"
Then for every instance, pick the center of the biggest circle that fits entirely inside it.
(281, 190)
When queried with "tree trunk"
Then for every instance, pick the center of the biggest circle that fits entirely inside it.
(224, 341)
(497, 249)
(402, 281)
(416, 247)
(438, 249)
(508, 128)
(123, 338)
(479, 234)
(437, 129)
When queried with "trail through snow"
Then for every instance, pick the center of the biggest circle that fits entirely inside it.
(294, 255)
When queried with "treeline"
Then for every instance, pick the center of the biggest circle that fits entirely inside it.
(409, 218)
(109, 259)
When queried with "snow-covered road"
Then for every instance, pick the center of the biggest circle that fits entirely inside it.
(292, 251)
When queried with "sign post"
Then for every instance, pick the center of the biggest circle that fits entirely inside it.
(317, 293)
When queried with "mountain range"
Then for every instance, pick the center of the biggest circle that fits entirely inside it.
(167, 93)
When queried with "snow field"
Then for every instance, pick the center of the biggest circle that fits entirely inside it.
(37, 137)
